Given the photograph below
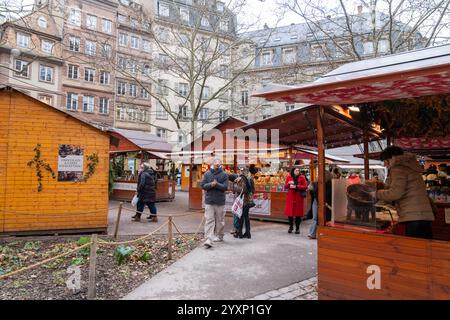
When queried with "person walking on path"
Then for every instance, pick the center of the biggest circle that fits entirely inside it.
(296, 185)
(246, 186)
(146, 192)
(215, 183)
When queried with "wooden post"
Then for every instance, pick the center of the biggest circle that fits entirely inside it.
(169, 249)
(321, 167)
(92, 266)
(366, 155)
(116, 230)
(290, 159)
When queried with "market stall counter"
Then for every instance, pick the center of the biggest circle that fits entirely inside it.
(129, 150)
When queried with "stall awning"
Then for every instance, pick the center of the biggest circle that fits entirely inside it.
(327, 155)
(404, 75)
(299, 127)
(135, 140)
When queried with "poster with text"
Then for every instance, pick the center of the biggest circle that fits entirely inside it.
(70, 162)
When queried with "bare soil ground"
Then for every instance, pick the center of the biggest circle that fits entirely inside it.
(113, 280)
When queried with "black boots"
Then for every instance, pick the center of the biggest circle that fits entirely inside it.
(297, 224)
(247, 235)
(290, 229)
(136, 217)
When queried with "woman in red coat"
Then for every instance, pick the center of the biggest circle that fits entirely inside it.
(295, 183)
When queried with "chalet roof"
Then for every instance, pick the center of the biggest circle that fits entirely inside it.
(403, 75)
(144, 140)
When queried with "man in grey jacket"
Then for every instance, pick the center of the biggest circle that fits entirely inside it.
(215, 183)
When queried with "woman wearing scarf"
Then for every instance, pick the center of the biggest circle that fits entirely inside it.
(296, 185)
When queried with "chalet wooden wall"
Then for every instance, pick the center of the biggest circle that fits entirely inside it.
(410, 268)
(25, 122)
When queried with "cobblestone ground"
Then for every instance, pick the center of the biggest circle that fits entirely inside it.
(303, 290)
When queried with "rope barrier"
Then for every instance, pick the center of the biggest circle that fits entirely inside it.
(163, 215)
(45, 261)
(55, 214)
(196, 232)
(107, 243)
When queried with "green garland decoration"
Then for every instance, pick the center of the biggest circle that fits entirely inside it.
(92, 165)
(39, 164)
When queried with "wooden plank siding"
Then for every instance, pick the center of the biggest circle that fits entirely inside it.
(24, 123)
(410, 268)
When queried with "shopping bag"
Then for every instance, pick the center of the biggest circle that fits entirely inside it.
(135, 200)
(238, 204)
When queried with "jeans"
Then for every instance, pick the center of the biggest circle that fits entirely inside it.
(141, 205)
(245, 219)
(313, 228)
(235, 222)
(418, 229)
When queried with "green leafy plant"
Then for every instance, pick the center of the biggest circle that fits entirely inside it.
(78, 261)
(123, 253)
(85, 251)
(145, 257)
(32, 245)
(93, 161)
(39, 164)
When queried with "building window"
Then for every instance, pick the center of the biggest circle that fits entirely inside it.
(184, 14)
(22, 68)
(245, 118)
(266, 58)
(133, 66)
(89, 74)
(204, 113)
(318, 52)
(122, 63)
(106, 26)
(90, 48)
(205, 93)
(223, 71)
(163, 87)
(45, 73)
(183, 89)
(220, 6)
(368, 47)
(104, 77)
(223, 115)
(72, 71)
(46, 99)
(183, 113)
(42, 23)
(91, 22)
(162, 133)
(163, 10)
(74, 44)
(72, 101)
(224, 25)
(290, 107)
(103, 106)
(121, 18)
(123, 40)
(47, 46)
(289, 55)
(267, 111)
(120, 113)
(163, 58)
(135, 42)
(23, 40)
(161, 113)
(75, 17)
(244, 98)
(204, 22)
(144, 93)
(383, 46)
(88, 104)
(133, 23)
(106, 51)
(146, 45)
(146, 69)
(121, 88)
(132, 91)
(343, 49)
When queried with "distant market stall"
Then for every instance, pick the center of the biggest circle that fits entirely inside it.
(407, 95)
(129, 149)
(273, 161)
(53, 169)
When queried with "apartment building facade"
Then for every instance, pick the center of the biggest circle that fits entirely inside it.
(31, 56)
(299, 53)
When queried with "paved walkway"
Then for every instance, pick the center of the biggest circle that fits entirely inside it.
(303, 290)
(240, 268)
